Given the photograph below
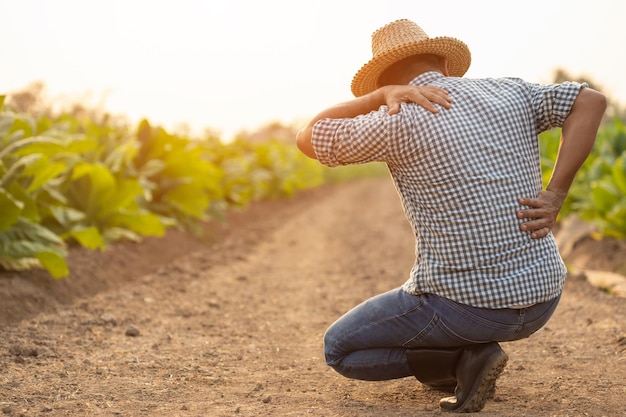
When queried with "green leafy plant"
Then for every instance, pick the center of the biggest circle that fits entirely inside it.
(23, 241)
(179, 183)
(100, 207)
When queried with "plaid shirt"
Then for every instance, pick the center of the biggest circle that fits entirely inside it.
(459, 174)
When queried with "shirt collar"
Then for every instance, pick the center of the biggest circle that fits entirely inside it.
(426, 78)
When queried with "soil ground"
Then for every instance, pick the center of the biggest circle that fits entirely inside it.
(232, 325)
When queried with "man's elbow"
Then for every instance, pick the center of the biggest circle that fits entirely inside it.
(303, 142)
(593, 101)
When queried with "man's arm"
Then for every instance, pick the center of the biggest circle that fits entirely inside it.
(578, 135)
(391, 95)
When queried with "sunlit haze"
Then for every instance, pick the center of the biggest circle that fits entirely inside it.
(238, 64)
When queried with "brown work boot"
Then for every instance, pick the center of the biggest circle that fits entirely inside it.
(435, 367)
(476, 371)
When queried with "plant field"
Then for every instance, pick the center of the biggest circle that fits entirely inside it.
(73, 181)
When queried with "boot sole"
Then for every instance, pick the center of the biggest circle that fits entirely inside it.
(483, 387)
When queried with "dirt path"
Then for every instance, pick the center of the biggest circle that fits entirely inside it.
(235, 328)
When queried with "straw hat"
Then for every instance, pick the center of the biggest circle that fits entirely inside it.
(402, 39)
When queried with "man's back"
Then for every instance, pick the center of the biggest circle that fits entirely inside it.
(460, 174)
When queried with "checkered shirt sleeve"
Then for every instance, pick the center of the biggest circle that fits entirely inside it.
(459, 174)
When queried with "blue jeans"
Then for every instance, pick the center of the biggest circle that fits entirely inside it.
(369, 342)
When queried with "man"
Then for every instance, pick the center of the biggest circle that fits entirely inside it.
(464, 158)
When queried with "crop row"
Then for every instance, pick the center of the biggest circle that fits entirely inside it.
(72, 181)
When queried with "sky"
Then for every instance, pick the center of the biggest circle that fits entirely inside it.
(230, 65)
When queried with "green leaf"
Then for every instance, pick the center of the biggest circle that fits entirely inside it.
(40, 144)
(82, 145)
(24, 248)
(41, 171)
(189, 198)
(54, 263)
(125, 193)
(17, 168)
(36, 144)
(54, 194)
(96, 188)
(88, 237)
(25, 230)
(27, 240)
(24, 126)
(30, 210)
(66, 216)
(142, 222)
(10, 209)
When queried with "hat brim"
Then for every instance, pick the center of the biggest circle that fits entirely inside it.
(456, 52)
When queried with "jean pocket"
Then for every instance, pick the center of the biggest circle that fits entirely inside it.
(476, 332)
(472, 325)
(439, 334)
(423, 335)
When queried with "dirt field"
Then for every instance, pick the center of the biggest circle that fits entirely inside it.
(232, 326)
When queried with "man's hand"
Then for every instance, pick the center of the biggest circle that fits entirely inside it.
(395, 95)
(542, 213)
(391, 95)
